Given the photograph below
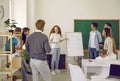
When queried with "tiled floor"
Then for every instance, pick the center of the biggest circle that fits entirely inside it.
(62, 76)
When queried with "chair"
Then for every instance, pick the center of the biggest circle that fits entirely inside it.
(76, 73)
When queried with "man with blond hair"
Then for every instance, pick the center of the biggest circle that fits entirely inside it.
(37, 46)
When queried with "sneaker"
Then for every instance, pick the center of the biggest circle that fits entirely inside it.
(57, 70)
(53, 73)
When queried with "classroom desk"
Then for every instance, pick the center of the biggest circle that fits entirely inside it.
(97, 67)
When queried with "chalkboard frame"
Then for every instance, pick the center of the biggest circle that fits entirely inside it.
(100, 31)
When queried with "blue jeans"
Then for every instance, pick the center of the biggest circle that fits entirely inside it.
(55, 58)
(93, 53)
(24, 70)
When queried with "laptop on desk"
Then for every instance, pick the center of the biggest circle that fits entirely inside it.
(114, 71)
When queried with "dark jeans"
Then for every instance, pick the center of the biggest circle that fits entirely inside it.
(93, 53)
(24, 70)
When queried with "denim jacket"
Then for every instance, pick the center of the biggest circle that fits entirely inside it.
(97, 39)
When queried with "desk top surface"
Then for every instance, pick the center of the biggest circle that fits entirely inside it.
(92, 62)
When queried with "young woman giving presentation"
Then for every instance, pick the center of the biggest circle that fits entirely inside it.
(55, 40)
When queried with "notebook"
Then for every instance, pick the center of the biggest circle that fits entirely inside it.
(114, 71)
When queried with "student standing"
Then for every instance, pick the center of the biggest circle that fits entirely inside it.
(55, 39)
(108, 25)
(94, 39)
(37, 45)
(25, 33)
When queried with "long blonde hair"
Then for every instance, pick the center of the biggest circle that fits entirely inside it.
(108, 33)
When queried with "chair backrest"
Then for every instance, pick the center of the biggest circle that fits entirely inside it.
(76, 73)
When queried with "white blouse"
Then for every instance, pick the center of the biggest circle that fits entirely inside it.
(55, 38)
(108, 45)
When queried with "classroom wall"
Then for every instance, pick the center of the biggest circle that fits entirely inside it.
(63, 12)
(31, 14)
(19, 12)
(5, 16)
(4, 13)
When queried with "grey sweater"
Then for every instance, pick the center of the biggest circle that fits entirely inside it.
(37, 46)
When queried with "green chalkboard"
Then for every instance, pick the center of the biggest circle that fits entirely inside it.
(84, 26)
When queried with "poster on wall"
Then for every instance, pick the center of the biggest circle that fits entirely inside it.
(4, 14)
(74, 44)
